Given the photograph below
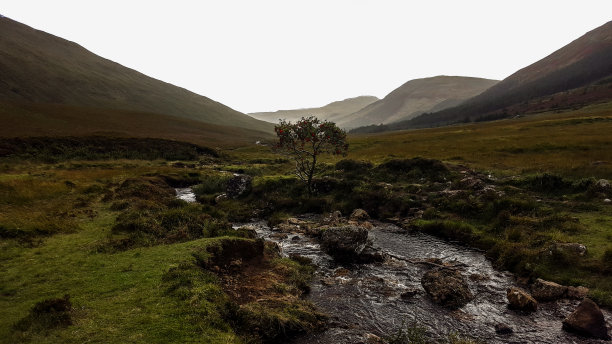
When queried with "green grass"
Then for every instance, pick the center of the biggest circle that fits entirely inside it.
(117, 297)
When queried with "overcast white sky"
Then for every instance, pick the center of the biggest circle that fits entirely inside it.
(280, 54)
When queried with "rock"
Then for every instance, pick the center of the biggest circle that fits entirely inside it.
(478, 277)
(294, 221)
(222, 197)
(247, 231)
(359, 215)
(577, 293)
(295, 238)
(239, 185)
(573, 248)
(333, 219)
(287, 228)
(602, 185)
(543, 290)
(367, 225)
(341, 272)
(521, 300)
(344, 243)
(371, 338)
(472, 183)
(447, 287)
(370, 255)
(279, 236)
(503, 329)
(587, 320)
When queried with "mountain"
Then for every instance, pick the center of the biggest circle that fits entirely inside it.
(331, 112)
(585, 61)
(416, 97)
(39, 68)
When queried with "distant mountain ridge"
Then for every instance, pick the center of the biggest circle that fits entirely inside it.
(39, 68)
(418, 96)
(582, 62)
(331, 112)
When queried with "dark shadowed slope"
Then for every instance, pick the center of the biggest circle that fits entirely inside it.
(37, 67)
(416, 97)
(34, 120)
(331, 112)
(582, 62)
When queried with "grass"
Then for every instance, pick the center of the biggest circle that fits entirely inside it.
(573, 143)
(59, 222)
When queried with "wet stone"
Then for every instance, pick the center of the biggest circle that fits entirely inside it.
(447, 287)
(521, 300)
(587, 320)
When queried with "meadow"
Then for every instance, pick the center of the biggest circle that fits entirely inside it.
(74, 224)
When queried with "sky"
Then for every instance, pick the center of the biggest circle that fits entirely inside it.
(267, 55)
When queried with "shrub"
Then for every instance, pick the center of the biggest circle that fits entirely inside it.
(212, 184)
(47, 314)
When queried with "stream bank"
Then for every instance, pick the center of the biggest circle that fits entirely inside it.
(382, 298)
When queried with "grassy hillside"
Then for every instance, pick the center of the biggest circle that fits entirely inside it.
(582, 62)
(37, 67)
(336, 112)
(32, 119)
(416, 97)
(574, 143)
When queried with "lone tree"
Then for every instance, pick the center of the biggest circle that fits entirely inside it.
(305, 140)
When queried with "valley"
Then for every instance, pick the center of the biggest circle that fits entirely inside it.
(453, 210)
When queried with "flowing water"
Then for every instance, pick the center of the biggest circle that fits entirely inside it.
(186, 194)
(381, 298)
(368, 298)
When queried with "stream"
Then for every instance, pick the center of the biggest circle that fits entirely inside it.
(368, 298)
(381, 298)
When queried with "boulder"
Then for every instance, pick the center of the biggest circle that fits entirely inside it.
(543, 290)
(239, 185)
(587, 320)
(359, 215)
(447, 287)
(521, 300)
(345, 243)
(577, 293)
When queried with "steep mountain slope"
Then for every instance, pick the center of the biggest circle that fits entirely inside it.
(37, 67)
(53, 120)
(331, 112)
(416, 97)
(582, 62)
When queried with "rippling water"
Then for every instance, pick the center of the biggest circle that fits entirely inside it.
(186, 194)
(367, 298)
